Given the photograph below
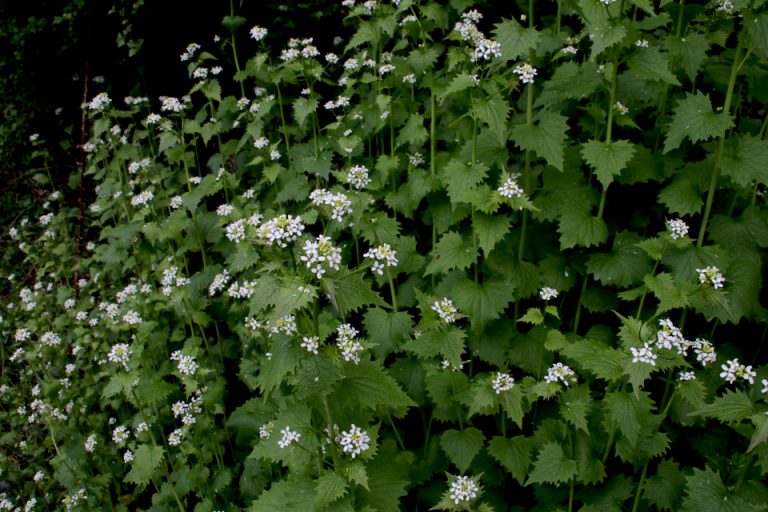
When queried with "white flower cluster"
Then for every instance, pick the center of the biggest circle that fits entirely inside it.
(184, 363)
(644, 354)
(711, 276)
(621, 108)
(558, 372)
(171, 279)
(50, 339)
(187, 410)
(502, 382)
(235, 231)
(73, 501)
(733, 370)
(175, 437)
(170, 104)
(320, 252)
(671, 338)
(219, 282)
(684, 376)
(288, 438)
(569, 50)
(348, 344)
(190, 52)
(445, 310)
(135, 167)
(311, 344)
(382, 256)
(120, 435)
(725, 6)
(299, 48)
(242, 291)
(526, 72)
(132, 318)
(339, 203)
(677, 228)
(119, 354)
(281, 230)
(463, 490)
(705, 351)
(99, 102)
(354, 441)
(142, 198)
(416, 159)
(286, 325)
(265, 430)
(510, 188)
(357, 176)
(548, 293)
(224, 210)
(484, 48)
(258, 33)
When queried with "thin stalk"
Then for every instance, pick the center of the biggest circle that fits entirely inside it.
(639, 492)
(432, 158)
(284, 125)
(526, 175)
(234, 48)
(397, 433)
(719, 154)
(392, 291)
(329, 421)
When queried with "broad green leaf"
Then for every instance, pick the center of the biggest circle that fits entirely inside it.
(482, 302)
(366, 33)
(624, 265)
(749, 230)
(424, 57)
(580, 228)
(303, 108)
(461, 446)
(286, 496)
(760, 436)
(667, 291)
(388, 329)
(682, 196)
(513, 453)
(533, 316)
(490, 229)
(705, 490)
(570, 80)
(629, 411)
(575, 404)
(413, 133)
(605, 36)
(291, 294)
(329, 487)
(591, 469)
(607, 159)
(461, 178)
(546, 137)
(731, 406)
(690, 51)
(552, 466)
(372, 386)
(356, 473)
(665, 488)
(442, 388)
(351, 292)
(146, 459)
(458, 83)
(650, 64)
(480, 399)
(451, 252)
(515, 40)
(745, 160)
(286, 356)
(448, 344)
(388, 476)
(694, 118)
(492, 110)
(757, 28)
(153, 389)
(605, 362)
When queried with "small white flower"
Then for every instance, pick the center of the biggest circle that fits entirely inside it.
(185, 364)
(677, 228)
(354, 441)
(711, 276)
(90, 443)
(526, 72)
(644, 354)
(311, 344)
(733, 370)
(288, 438)
(463, 490)
(510, 188)
(224, 210)
(258, 33)
(383, 255)
(621, 108)
(641, 43)
(569, 50)
(548, 293)
(357, 176)
(127, 456)
(120, 435)
(502, 382)
(560, 373)
(684, 376)
(445, 310)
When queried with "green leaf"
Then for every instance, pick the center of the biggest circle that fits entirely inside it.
(480, 399)
(514, 454)
(546, 138)
(370, 385)
(744, 162)
(607, 159)
(665, 488)
(424, 57)
(731, 406)
(605, 362)
(650, 64)
(552, 466)
(388, 476)
(481, 302)
(580, 228)
(351, 292)
(303, 108)
(624, 265)
(284, 360)
(705, 490)
(629, 411)
(515, 40)
(286, 496)
(512, 404)
(329, 487)
(757, 28)
(693, 118)
(490, 229)
(570, 80)
(413, 133)
(461, 446)
(533, 316)
(760, 435)
(153, 389)
(448, 344)
(575, 405)
(690, 51)
(605, 36)
(451, 252)
(667, 291)
(366, 33)
(682, 196)
(146, 459)
(461, 178)
(458, 83)
(356, 473)
(388, 329)
(492, 110)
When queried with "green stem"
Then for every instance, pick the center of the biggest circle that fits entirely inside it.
(639, 492)
(329, 421)
(284, 125)
(526, 175)
(234, 48)
(396, 432)
(392, 291)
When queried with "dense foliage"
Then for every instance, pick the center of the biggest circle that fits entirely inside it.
(452, 262)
